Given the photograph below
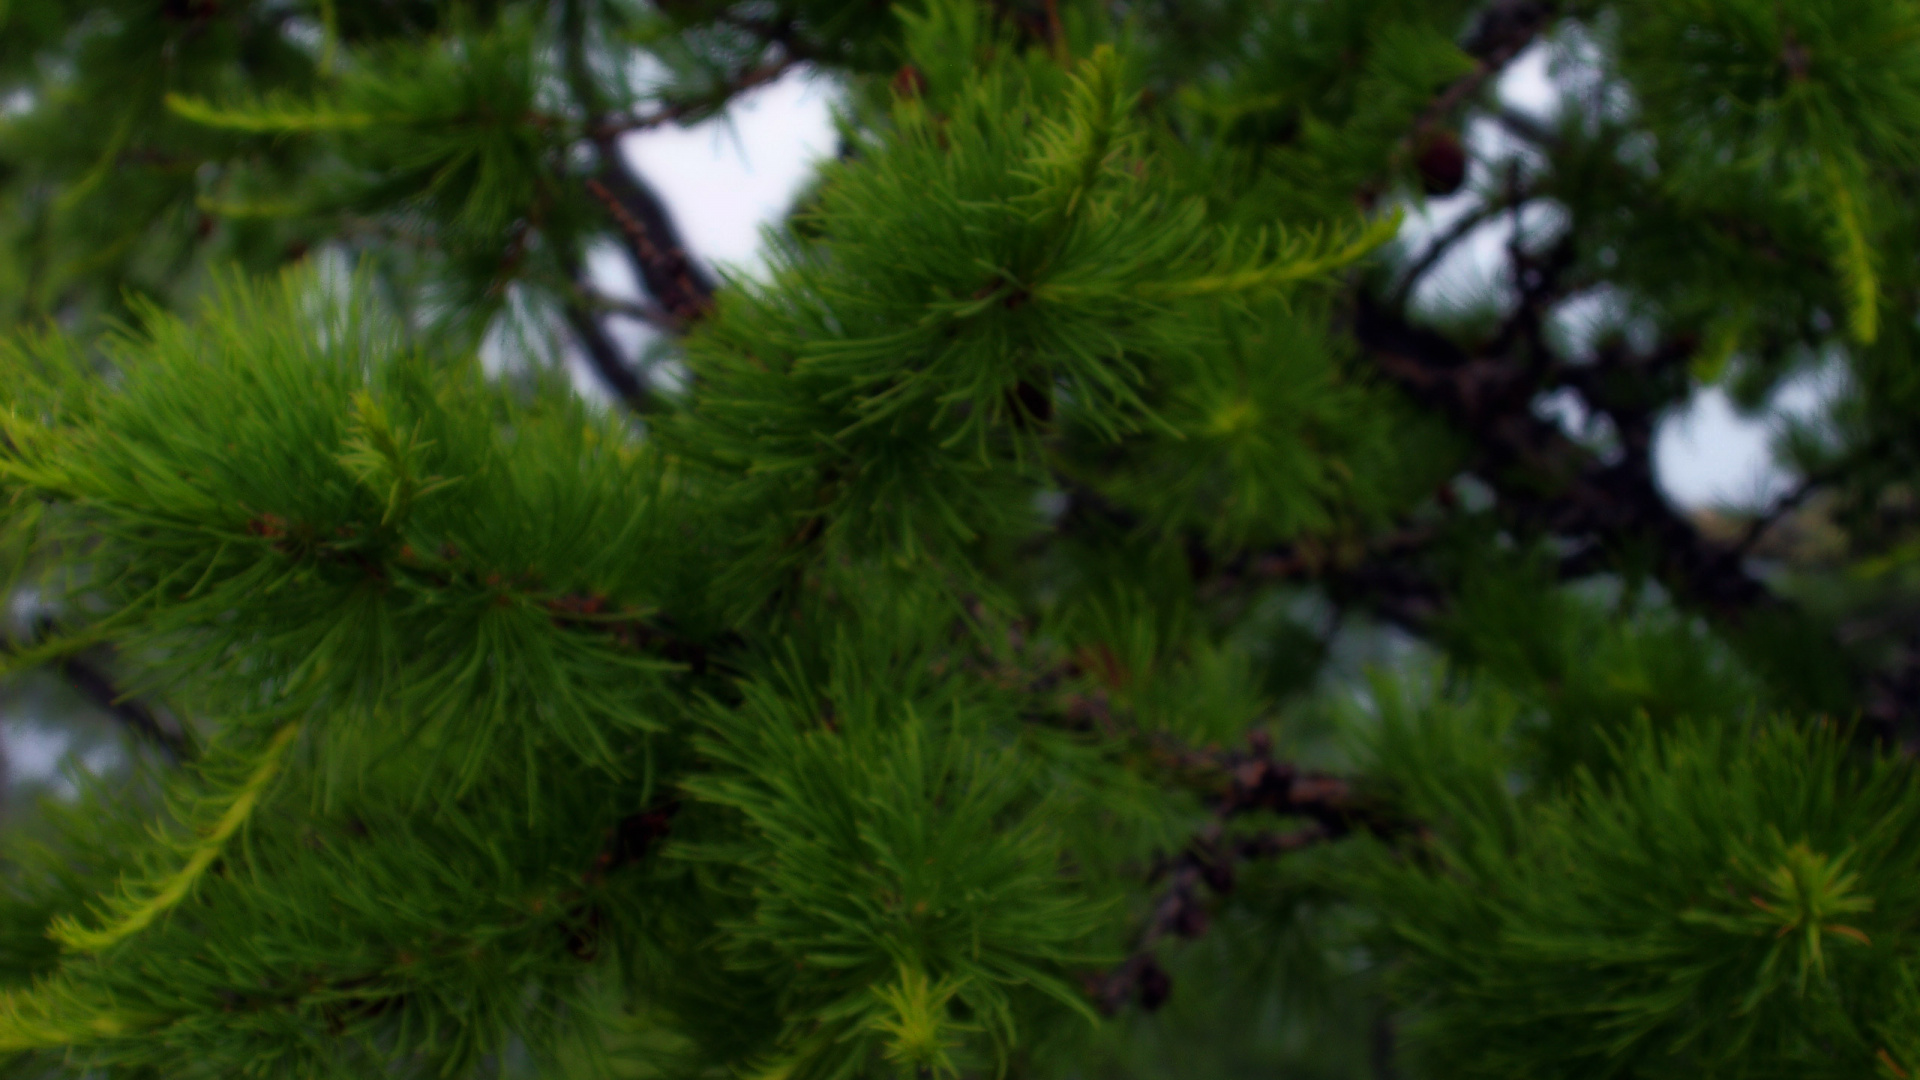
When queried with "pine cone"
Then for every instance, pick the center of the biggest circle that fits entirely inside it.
(1442, 164)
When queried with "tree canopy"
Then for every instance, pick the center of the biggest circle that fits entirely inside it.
(1087, 607)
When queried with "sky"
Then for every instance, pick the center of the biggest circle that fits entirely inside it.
(726, 178)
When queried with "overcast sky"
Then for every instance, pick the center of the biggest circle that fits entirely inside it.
(726, 178)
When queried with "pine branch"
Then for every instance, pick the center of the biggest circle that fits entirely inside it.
(659, 258)
(1381, 575)
(653, 245)
(137, 716)
(1440, 246)
(640, 311)
(1542, 476)
(1234, 783)
(783, 35)
(628, 841)
(611, 128)
(1549, 484)
(607, 362)
(135, 908)
(1526, 127)
(1809, 485)
(1508, 26)
(93, 683)
(1242, 782)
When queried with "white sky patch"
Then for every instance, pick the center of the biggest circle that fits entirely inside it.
(1711, 455)
(726, 178)
(1707, 454)
(723, 180)
(34, 757)
(34, 753)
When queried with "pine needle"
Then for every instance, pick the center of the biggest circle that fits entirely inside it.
(138, 914)
(1855, 257)
(268, 120)
(37, 1020)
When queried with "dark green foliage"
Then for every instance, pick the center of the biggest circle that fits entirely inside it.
(1713, 908)
(865, 881)
(1086, 609)
(353, 485)
(449, 127)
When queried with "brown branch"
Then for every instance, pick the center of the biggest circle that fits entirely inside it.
(1548, 484)
(690, 111)
(653, 245)
(1543, 478)
(449, 569)
(640, 311)
(604, 357)
(1507, 27)
(1440, 246)
(85, 675)
(1234, 783)
(792, 53)
(135, 715)
(1527, 128)
(1808, 486)
(682, 287)
(582, 312)
(1241, 782)
(627, 841)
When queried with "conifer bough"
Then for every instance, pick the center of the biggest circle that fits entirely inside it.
(1102, 601)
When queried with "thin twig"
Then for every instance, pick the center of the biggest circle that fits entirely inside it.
(1786, 505)
(1244, 782)
(681, 287)
(681, 112)
(1526, 127)
(92, 681)
(95, 685)
(1442, 244)
(1804, 490)
(607, 362)
(638, 310)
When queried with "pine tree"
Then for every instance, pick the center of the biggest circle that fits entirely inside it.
(1083, 609)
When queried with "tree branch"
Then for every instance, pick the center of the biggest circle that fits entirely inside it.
(1437, 250)
(1545, 479)
(1526, 127)
(683, 112)
(606, 360)
(1243, 782)
(173, 739)
(641, 311)
(652, 242)
(1804, 490)
(659, 259)
(582, 312)
(85, 675)
(1233, 782)
(97, 687)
